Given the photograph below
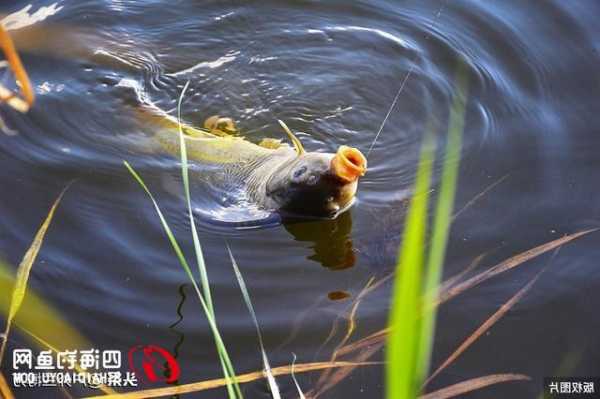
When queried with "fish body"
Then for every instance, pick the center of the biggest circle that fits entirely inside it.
(275, 175)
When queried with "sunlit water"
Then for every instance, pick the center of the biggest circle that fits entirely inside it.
(331, 71)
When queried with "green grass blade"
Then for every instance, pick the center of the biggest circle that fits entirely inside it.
(442, 219)
(166, 227)
(227, 368)
(270, 378)
(222, 351)
(24, 270)
(403, 340)
(412, 319)
(186, 186)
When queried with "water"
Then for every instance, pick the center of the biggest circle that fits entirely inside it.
(330, 70)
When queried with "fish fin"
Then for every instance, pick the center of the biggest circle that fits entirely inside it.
(194, 132)
(297, 144)
(270, 143)
(220, 126)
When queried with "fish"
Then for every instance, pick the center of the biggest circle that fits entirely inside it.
(276, 176)
(279, 177)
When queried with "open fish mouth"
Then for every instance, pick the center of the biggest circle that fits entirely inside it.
(348, 164)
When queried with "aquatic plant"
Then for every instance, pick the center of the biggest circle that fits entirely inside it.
(233, 388)
(19, 288)
(24, 308)
(232, 385)
(240, 378)
(412, 318)
(205, 296)
(18, 292)
(270, 378)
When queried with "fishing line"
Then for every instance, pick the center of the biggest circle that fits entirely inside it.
(410, 71)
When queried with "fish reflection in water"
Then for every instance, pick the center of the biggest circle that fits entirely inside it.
(331, 240)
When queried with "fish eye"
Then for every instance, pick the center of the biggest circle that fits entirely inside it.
(299, 172)
(312, 180)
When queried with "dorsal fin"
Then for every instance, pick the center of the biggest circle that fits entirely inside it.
(297, 144)
(220, 126)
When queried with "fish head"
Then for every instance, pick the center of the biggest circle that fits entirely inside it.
(319, 185)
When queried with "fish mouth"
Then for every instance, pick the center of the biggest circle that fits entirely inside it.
(348, 164)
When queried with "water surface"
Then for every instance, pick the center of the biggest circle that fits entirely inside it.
(331, 71)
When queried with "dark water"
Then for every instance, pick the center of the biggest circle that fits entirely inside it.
(330, 70)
